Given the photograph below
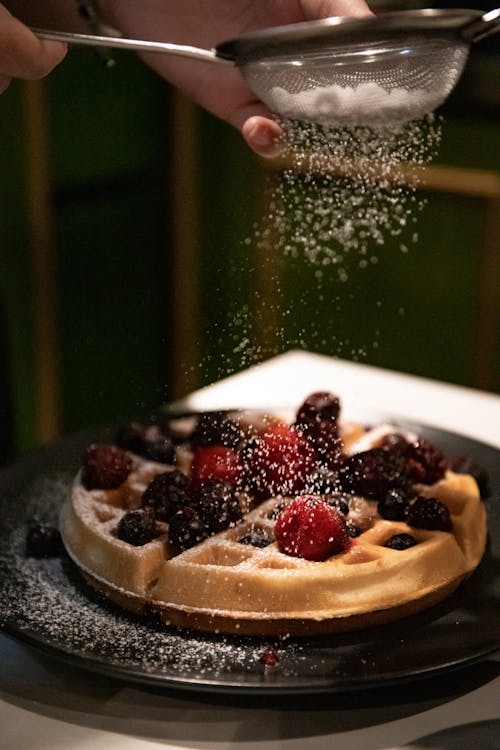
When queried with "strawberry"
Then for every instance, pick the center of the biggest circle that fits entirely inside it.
(278, 462)
(215, 462)
(310, 528)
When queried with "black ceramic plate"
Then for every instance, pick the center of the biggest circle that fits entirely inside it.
(46, 604)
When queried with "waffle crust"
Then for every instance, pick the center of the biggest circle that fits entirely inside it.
(223, 585)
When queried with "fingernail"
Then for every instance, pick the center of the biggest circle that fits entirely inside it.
(264, 142)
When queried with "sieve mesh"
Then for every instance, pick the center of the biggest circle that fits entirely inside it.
(385, 83)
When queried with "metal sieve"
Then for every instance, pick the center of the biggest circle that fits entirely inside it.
(341, 71)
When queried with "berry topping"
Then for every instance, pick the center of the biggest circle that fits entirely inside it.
(257, 538)
(393, 441)
(339, 501)
(393, 506)
(43, 540)
(166, 494)
(217, 505)
(216, 428)
(373, 473)
(428, 513)
(323, 481)
(400, 541)
(137, 527)
(147, 441)
(105, 467)
(215, 462)
(318, 408)
(278, 462)
(317, 420)
(352, 529)
(426, 463)
(187, 529)
(310, 528)
(269, 658)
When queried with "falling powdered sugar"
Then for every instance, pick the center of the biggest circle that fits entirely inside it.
(343, 192)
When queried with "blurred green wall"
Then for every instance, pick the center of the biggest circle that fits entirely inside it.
(111, 195)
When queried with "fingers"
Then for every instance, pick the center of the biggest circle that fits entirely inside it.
(263, 135)
(22, 54)
(314, 9)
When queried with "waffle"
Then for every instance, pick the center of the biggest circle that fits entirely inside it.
(223, 584)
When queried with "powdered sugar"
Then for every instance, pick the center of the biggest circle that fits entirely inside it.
(368, 102)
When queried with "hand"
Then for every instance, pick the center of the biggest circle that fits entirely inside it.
(22, 54)
(205, 24)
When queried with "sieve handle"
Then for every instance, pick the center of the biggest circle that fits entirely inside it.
(488, 24)
(94, 40)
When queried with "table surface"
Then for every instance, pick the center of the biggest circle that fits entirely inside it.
(46, 704)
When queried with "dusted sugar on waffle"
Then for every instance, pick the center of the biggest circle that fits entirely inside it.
(267, 523)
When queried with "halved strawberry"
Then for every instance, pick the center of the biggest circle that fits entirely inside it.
(310, 528)
(279, 462)
(215, 462)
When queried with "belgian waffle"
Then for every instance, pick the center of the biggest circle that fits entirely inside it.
(223, 584)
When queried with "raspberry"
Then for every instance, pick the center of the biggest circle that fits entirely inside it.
(373, 473)
(187, 528)
(393, 506)
(147, 441)
(400, 542)
(217, 505)
(426, 463)
(215, 462)
(428, 513)
(43, 541)
(105, 467)
(137, 527)
(279, 462)
(317, 420)
(310, 528)
(166, 494)
(269, 658)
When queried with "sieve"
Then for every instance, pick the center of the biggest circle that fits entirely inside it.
(338, 71)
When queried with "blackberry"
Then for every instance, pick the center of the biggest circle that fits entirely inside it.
(273, 515)
(137, 527)
(105, 467)
(393, 442)
(428, 513)
(339, 501)
(319, 407)
(400, 542)
(166, 494)
(426, 463)
(218, 505)
(216, 428)
(317, 421)
(187, 529)
(373, 473)
(147, 441)
(43, 540)
(257, 538)
(323, 481)
(353, 530)
(393, 506)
